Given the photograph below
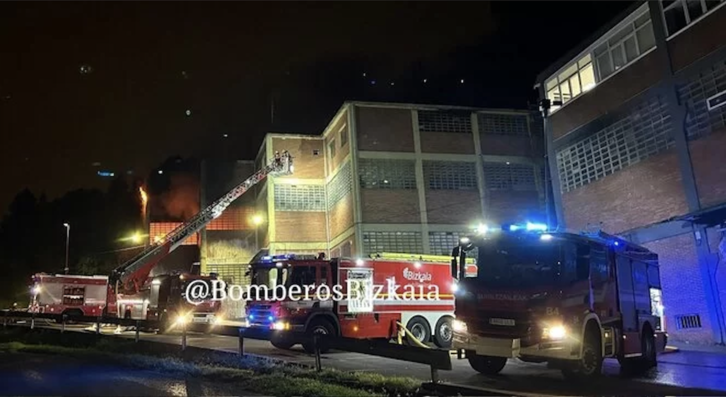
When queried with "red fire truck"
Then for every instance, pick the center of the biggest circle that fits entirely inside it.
(69, 295)
(567, 299)
(368, 297)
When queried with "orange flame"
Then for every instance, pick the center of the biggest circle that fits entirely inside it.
(144, 197)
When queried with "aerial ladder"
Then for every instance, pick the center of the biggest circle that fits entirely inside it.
(131, 277)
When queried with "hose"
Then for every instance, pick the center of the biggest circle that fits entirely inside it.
(409, 336)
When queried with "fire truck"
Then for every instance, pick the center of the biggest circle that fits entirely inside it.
(367, 298)
(570, 300)
(70, 295)
(132, 293)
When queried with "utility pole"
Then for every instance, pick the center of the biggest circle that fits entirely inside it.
(68, 238)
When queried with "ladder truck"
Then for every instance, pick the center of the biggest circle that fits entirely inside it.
(132, 294)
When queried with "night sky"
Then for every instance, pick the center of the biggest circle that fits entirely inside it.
(127, 85)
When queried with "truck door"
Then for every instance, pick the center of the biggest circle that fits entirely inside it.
(626, 294)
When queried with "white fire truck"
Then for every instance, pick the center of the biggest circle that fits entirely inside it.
(414, 291)
(131, 293)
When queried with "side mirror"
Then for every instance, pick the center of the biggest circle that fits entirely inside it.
(454, 263)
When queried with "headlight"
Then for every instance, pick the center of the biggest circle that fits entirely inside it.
(218, 320)
(281, 326)
(459, 326)
(182, 319)
(555, 333)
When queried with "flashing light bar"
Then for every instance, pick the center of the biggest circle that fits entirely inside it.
(286, 257)
(530, 227)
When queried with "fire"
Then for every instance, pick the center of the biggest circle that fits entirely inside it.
(144, 197)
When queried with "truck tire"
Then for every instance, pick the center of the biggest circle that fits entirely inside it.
(420, 329)
(589, 366)
(318, 326)
(486, 365)
(444, 333)
(638, 365)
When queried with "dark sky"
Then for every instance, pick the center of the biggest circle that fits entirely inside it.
(224, 62)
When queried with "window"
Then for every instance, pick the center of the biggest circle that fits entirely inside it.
(449, 175)
(340, 185)
(503, 124)
(331, 148)
(576, 79)
(509, 176)
(610, 54)
(300, 197)
(641, 132)
(387, 174)
(444, 121)
(343, 135)
(681, 13)
(599, 264)
(302, 276)
(393, 242)
(624, 46)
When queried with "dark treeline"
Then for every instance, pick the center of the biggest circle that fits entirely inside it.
(33, 238)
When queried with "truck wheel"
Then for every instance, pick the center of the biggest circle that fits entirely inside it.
(318, 326)
(443, 334)
(486, 365)
(590, 364)
(419, 328)
(650, 359)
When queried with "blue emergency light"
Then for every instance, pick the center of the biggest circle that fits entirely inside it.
(529, 226)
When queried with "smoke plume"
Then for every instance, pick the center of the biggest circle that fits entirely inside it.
(181, 201)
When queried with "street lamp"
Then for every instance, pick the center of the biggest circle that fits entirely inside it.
(68, 239)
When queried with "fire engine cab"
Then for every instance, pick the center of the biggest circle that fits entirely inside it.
(354, 298)
(567, 299)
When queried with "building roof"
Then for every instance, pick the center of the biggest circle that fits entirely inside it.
(575, 51)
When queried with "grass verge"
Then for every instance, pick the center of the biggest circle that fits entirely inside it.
(254, 374)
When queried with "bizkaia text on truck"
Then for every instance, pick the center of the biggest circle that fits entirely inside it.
(389, 292)
(567, 299)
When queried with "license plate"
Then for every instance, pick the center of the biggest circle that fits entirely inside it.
(200, 320)
(502, 321)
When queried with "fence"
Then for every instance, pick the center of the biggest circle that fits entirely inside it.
(435, 359)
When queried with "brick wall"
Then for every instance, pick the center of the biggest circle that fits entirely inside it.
(503, 145)
(513, 206)
(453, 207)
(341, 216)
(297, 226)
(698, 40)
(384, 129)
(447, 142)
(608, 95)
(708, 167)
(341, 134)
(307, 164)
(644, 193)
(390, 206)
(683, 292)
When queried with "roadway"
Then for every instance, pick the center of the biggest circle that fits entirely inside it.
(681, 373)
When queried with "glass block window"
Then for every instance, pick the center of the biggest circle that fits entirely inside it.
(395, 242)
(444, 121)
(450, 175)
(299, 197)
(509, 176)
(234, 274)
(695, 93)
(642, 132)
(340, 185)
(503, 124)
(442, 243)
(387, 174)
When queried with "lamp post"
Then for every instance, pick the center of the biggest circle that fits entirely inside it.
(68, 239)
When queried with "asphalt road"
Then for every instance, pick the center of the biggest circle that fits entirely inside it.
(23, 374)
(681, 373)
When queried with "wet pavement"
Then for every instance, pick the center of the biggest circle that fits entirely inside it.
(24, 374)
(681, 373)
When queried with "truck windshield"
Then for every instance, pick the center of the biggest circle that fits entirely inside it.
(269, 276)
(523, 265)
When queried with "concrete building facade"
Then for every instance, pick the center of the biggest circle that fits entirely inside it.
(402, 178)
(637, 147)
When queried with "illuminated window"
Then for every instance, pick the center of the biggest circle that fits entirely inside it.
(680, 13)
(299, 197)
(625, 46)
(576, 79)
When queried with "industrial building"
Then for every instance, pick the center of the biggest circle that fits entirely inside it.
(635, 144)
(380, 178)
